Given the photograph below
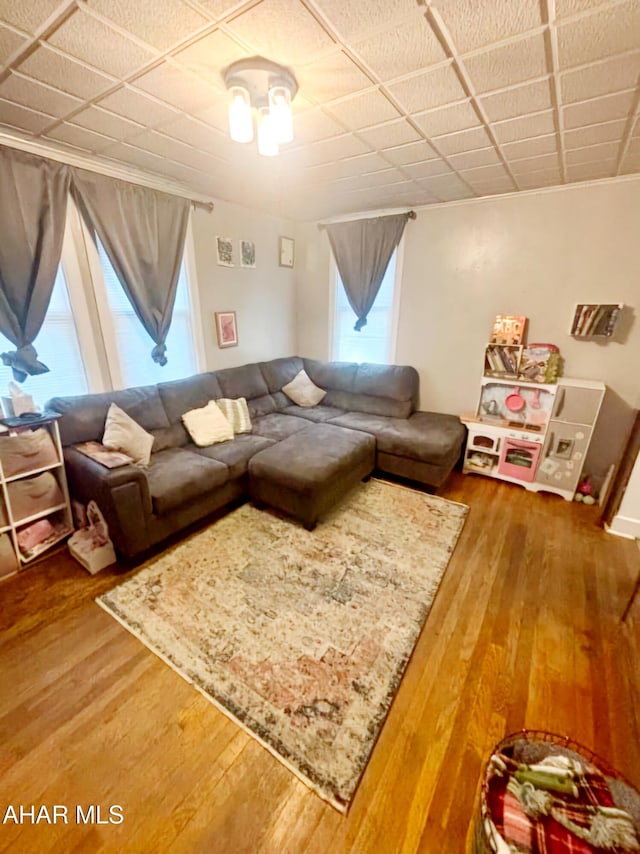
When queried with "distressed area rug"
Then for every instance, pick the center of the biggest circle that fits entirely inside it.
(301, 637)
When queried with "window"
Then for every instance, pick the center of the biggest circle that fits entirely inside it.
(57, 347)
(376, 341)
(132, 344)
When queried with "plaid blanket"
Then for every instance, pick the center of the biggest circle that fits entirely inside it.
(547, 833)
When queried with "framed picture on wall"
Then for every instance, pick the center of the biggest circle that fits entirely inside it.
(247, 253)
(285, 251)
(226, 328)
(224, 248)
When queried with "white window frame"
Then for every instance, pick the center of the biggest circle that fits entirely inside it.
(395, 305)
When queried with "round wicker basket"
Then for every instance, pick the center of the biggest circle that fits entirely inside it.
(531, 746)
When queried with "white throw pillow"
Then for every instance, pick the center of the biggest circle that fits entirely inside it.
(207, 425)
(122, 433)
(303, 391)
(236, 412)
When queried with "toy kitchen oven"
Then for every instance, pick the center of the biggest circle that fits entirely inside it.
(533, 434)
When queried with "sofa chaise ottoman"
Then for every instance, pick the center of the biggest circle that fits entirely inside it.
(371, 408)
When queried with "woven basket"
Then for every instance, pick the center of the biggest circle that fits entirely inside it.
(530, 746)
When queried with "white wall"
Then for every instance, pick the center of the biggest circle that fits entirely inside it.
(626, 522)
(263, 298)
(536, 254)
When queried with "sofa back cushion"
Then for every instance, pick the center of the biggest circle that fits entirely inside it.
(375, 389)
(181, 396)
(245, 381)
(84, 416)
(279, 372)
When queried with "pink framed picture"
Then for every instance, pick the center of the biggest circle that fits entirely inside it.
(226, 328)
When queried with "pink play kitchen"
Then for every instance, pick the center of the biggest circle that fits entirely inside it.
(528, 431)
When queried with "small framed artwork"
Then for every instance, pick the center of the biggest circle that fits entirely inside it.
(226, 328)
(224, 247)
(285, 251)
(247, 253)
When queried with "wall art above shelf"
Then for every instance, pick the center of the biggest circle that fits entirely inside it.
(593, 320)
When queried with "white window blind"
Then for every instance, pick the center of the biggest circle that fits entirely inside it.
(132, 343)
(373, 342)
(57, 347)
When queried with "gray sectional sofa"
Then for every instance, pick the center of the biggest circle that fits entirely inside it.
(297, 459)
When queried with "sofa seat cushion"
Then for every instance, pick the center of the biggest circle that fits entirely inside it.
(278, 425)
(236, 454)
(314, 413)
(178, 475)
(430, 437)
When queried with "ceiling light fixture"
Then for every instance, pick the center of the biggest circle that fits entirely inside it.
(268, 88)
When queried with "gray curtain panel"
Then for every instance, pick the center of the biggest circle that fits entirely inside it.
(362, 249)
(33, 205)
(143, 233)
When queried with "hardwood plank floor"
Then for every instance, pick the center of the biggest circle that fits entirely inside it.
(525, 632)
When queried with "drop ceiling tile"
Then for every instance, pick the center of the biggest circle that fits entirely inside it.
(121, 152)
(630, 165)
(428, 169)
(22, 118)
(544, 162)
(177, 87)
(449, 188)
(474, 25)
(543, 178)
(448, 119)
(471, 159)
(414, 152)
(508, 64)
(467, 140)
(9, 43)
(188, 176)
(377, 179)
(217, 9)
(408, 47)
(530, 98)
(106, 123)
(361, 111)
(160, 23)
(530, 147)
(315, 125)
(333, 76)
(281, 30)
(593, 153)
(592, 134)
(600, 79)
(36, 96)
(346, 168)
(566, 8)
(361, 16)
(591, 171)
(79, 137)
(487, 175)
(598, 110)
(427, 90)
(131, 104)
(335, 149)
(390, 134)
(161, 145)
(58, 70)
(211, 55)
(634, 145)
(598, 36)
(216, 114)
(88, 39)
(493, 188)
(198, 135)
(27, 16)
(524, 127)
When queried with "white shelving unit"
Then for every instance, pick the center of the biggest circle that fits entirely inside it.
(57, 513)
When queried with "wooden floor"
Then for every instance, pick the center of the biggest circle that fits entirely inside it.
(525, 632)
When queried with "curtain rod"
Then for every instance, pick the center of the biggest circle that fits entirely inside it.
(323, 225)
